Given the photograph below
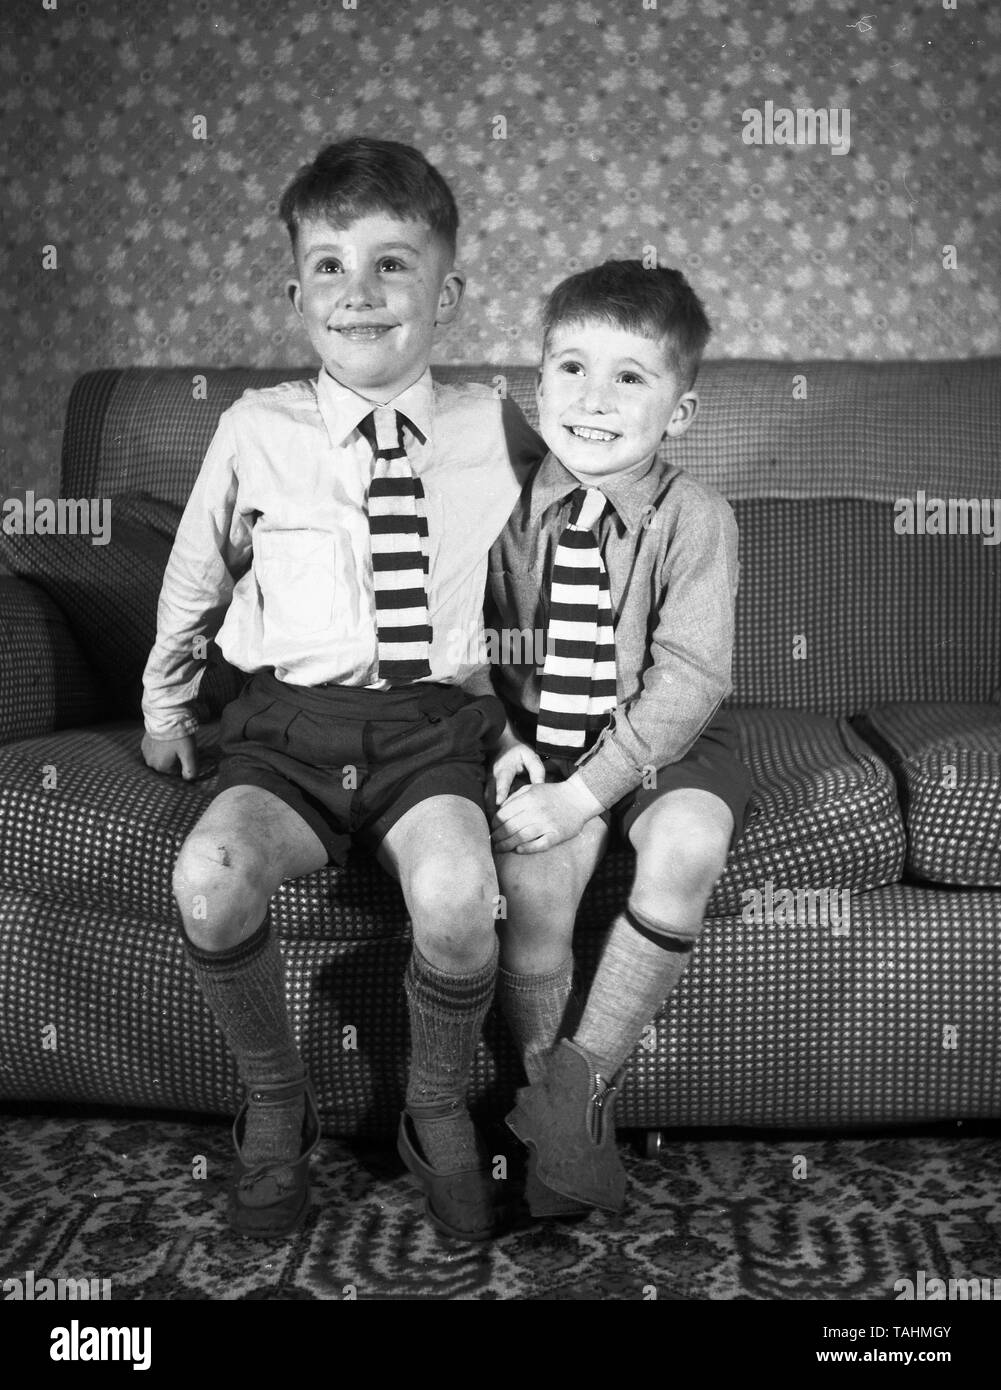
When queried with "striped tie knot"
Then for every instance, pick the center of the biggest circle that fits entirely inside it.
(587, 506)
(578, 679)
(398, 532)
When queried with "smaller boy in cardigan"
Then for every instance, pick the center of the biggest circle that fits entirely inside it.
(629, 567)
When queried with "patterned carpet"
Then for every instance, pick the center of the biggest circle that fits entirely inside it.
(717, 1217)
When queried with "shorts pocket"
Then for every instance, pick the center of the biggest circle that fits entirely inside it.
(477, 725)
(243, 719)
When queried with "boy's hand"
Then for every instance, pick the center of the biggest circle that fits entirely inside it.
(543, 815)
(516, 759)
(162, 753)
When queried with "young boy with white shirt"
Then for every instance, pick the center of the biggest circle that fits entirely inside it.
(335, 541)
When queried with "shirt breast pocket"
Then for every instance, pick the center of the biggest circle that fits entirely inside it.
(295, 575)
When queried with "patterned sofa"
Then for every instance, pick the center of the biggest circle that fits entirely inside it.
(848, 974)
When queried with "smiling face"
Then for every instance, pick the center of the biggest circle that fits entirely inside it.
(370, 294)
(607, 396)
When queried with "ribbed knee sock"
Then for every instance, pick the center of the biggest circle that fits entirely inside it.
(638, 971)
(245, 989)
(538, 1009)
(446, 1019)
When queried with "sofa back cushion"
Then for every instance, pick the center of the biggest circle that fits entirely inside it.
(839, 608)
(108, 595)
(836, 613)
(765, 429)
(46, 682)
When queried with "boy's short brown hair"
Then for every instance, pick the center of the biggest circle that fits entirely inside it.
(360, 176)
(653, 301)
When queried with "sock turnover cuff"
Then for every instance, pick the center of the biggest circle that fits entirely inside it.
(243, 954)
(537, 984)
(440, 988)
(659, 933)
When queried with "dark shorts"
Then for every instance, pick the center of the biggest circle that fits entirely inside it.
(712, 764)
(352, 762)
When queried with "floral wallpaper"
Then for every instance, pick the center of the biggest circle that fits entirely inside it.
(828, 179)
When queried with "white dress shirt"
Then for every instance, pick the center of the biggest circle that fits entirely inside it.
(272, 554)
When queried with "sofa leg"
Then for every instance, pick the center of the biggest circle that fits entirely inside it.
(650, 1142)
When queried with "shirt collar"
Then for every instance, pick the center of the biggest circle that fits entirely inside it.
(630, 499)
(342, 408)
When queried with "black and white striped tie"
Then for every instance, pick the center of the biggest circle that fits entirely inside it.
(578, 679)
(398, 530)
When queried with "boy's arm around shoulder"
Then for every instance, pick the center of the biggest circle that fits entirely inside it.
(690, 648)
(495, 423)
(211, 549)
(525, 447)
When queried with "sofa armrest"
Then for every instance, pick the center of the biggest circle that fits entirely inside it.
(45, 681)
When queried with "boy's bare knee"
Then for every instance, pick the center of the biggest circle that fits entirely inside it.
(217, 891)
(681, 875)
(441, 893)
(460, 949)
(531, 905)
(203, 863)
(453, 915)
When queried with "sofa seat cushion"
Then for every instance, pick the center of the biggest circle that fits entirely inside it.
(947, 760)
(86, 821)
(824, 811)
(89, 822)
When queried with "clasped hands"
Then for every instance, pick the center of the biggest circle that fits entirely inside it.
(540, 815)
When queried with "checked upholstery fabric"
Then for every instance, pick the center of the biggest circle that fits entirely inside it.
(947, 760)
(885, 618)
(834, 1035)
(838, 618)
